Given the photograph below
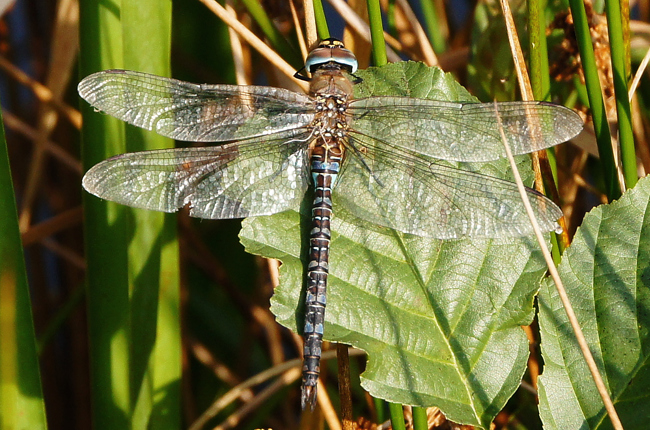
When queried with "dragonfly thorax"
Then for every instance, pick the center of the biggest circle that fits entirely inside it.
(331, 91)
(330, 121)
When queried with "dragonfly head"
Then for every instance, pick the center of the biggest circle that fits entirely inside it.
(331, 53)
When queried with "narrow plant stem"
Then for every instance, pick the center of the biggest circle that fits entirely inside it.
(345, 395)
(390, 18)
(377, 33)
(620, 72)
(22, 404)
(396, 416)
(638, 75)
(321, 22)
(300, 35)
(522, 77)
(235, 418)
(517, 53)
(432, 23)
(237, 51)
(42, 92)
(273, 35)
(358, 25)
(380, 408)
(428, 54)
(601, 127)
(152, 247)
(541, 88)
(311, 31)
(540, 78)
(575, 325)
(420, 418)
(105, 230)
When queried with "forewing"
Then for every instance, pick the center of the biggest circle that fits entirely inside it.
(194, 112)
(416, 195)
(261, 176)
(463, 131)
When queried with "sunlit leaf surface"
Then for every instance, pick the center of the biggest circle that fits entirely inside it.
(606, 273)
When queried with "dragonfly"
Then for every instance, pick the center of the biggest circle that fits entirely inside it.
(377, 157)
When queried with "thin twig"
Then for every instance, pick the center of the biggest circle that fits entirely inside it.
(517, 53)
(261, 377)
(430, 57)
(21, 127)
(252, 40)
(247, 408)
(237, 50)
(639, 74)
(220, 370)
(343, 361)
(43, 93)
(325, 403)
(60, 69)
(299, 34)
(59, 222)
(310, 23)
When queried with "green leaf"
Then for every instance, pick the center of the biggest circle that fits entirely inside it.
(439, 319)
(606, 272)
(22, 405)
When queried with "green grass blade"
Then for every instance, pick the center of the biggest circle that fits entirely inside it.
(135, 355)
(321, 22)
(431, 22)
(60, 317)
(391, 20)
(541, 80)
(620, 71)
(155, 353)
(105, 231)
(594, 93)
(377, 33)
(272, 34)
(21, 396)
(539, 74)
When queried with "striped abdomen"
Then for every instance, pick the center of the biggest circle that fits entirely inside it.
(324, 174)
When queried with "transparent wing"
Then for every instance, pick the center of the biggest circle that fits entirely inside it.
(256, 177)
(193, 112)
(413, 194)
(463, 131)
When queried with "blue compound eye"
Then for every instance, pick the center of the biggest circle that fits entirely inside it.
(331, 51)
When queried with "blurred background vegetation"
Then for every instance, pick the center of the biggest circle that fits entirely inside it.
(228, 333)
